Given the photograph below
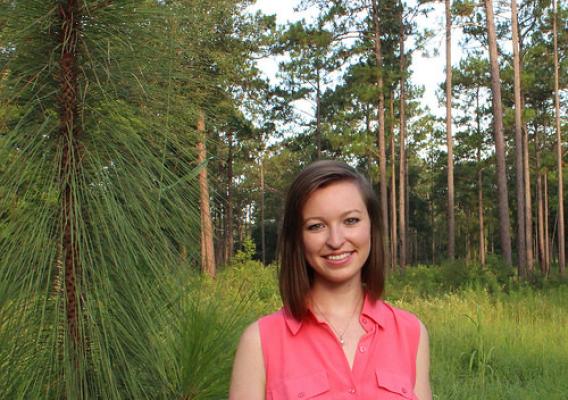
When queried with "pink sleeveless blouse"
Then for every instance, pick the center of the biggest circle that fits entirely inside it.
(304, 360)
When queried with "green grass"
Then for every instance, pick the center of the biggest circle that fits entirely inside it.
(497, 346)
(490, 338)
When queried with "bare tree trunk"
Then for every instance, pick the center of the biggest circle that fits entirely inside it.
(547, 245)
(70, 164)
(229, 239)
(207, 248)
(528, 202)
(318, 116)
(482, 249)
(262, 219)
(481, 220)
(381, 130)
(561, 244)
(402, 228)
(394, 233)
(540, 208)
(519, 163)
(407, 207)
(503, 198)
(449, 139)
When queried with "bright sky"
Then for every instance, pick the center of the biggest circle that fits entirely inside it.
(428, 72)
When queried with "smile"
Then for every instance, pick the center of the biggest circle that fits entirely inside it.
(338, 257)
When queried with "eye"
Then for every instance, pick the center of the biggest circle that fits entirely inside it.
(352, 220)
(315, 227)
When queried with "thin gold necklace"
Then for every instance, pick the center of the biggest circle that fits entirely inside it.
(338, 333)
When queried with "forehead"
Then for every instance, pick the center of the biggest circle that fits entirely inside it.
(337, 197)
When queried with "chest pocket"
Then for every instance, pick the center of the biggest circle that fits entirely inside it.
(396, 385)
(312, 386)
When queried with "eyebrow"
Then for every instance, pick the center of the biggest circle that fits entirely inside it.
(355, 210)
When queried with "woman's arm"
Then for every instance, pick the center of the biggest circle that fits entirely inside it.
(422, 385)
(248, 380)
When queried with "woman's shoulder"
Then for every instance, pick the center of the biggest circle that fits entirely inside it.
(401, 316)
(274, 322)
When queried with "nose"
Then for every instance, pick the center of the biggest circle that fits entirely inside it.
(336, 237)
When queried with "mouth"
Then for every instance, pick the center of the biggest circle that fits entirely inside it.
(338, 257)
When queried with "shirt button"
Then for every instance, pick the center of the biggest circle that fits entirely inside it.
(362, 349)
(364, 321)
(404, 390)
(301, 394)
(352, 391)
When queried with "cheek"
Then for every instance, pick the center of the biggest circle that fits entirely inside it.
(311, 243)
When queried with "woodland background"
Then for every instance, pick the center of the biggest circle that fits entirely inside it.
(145, 157)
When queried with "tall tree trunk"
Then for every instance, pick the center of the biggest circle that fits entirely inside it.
(449, 139)
(402, 228)
(318, 115)
(480, 182)
(503, 198)
(547, 244)
(381, 130)
(540, 208)
(393, 213)
(480, 216)
(528, 202)
(561, 244)
(262, 219)
(407, 207)
(519, 163)
(229, 238)
(207, 248)
(69, 169)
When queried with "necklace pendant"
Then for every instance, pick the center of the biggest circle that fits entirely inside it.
(342, 341)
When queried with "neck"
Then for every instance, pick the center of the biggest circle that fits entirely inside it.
(338, 301)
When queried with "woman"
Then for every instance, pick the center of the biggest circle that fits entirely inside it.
(334, 338)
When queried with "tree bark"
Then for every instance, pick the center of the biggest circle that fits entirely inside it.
(393, 213)
(207, 248)
(381, 130)
(480, 214)
(528, 202)
(402, 228)
(540, 208)
(503, 198)
(262, 227)
(547, 245)
(69, 169)
(318, 116)
(449, 139)
(229, 238)
(519, 163)
(482, 250)
(561, 244)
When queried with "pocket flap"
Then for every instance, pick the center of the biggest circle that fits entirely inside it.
(306, 386)
(395, 383)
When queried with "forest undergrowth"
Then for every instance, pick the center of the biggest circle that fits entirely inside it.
(490, 336)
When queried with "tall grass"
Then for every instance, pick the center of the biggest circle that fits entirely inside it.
(497, 346)
(491, 338)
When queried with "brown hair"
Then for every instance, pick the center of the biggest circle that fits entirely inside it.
(296, 276)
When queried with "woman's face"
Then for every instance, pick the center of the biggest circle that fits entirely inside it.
(336, 233)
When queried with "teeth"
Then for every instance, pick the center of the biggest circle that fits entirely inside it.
(338, 256)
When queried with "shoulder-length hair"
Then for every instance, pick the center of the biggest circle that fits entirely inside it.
(296, 276)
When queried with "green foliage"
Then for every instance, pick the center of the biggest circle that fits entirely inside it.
(426, 280)
(505, 344)
(105, 198)
(202, 336)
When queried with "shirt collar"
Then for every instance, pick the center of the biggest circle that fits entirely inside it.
(293, 324)
(374, 310)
